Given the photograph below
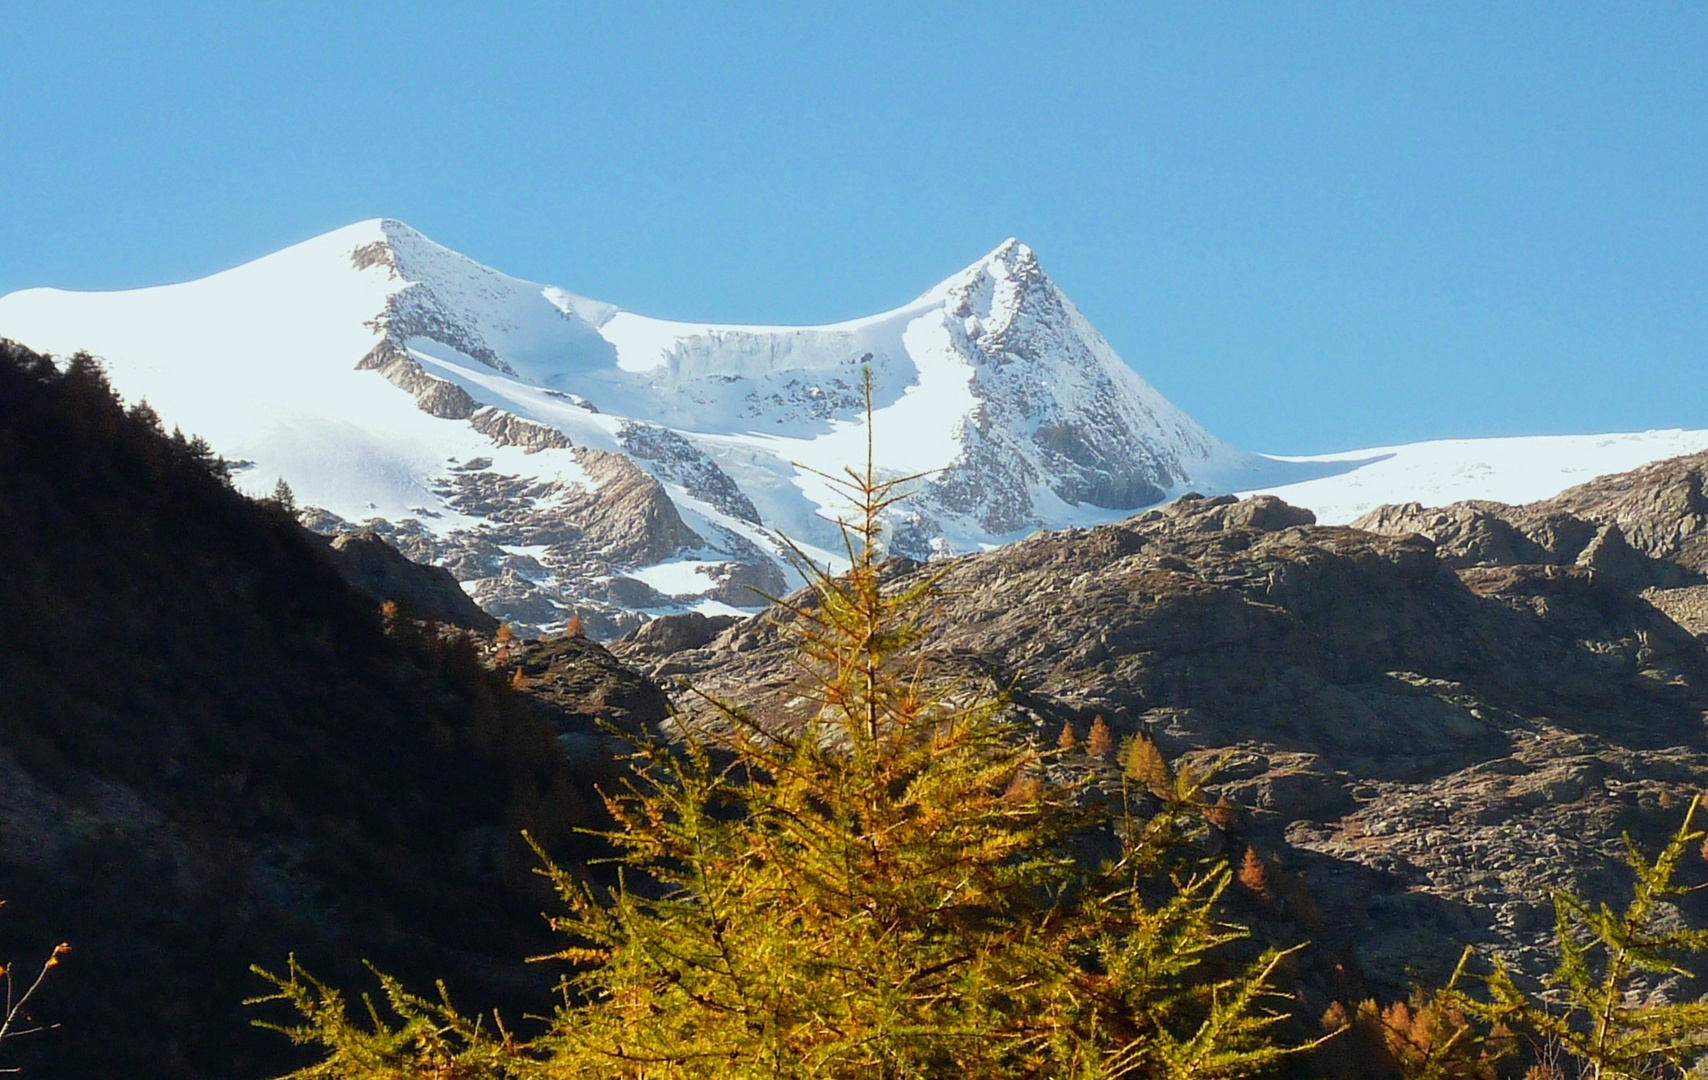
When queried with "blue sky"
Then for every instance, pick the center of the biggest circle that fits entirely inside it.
(1313, 226)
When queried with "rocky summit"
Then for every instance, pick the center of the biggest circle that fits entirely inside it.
(1426, 722)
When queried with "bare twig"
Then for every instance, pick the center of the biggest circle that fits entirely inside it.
(17, 1020)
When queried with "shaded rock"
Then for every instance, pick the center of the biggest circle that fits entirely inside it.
(578, 684)
(1610, 555)
(672, 633)
(747, 584)
(212, 755)
(630, 593)
(383, 573)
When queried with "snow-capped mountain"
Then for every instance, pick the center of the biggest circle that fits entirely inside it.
(560, 455)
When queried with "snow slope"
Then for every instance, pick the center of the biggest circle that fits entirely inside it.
(1510, 470)
(562, 455)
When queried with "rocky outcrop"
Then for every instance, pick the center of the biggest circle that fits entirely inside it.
(1469, 534)
(672, 456)
(1660, 508)
(629, 518)
(382, 572)
(433, 395)
(1464, 534)
(578, 684)
(580, 539)
(508, 429)
(670, 634)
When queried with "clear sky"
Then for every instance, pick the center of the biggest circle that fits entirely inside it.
(1313, 226)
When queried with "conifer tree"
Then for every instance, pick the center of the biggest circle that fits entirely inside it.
(890, 886)
(285, 498)
(1099, 742)
(1253, 875)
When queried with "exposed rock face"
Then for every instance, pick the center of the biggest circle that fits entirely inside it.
(1464, 534)
(1042, 369)
(681, 461)
(583, 536)
(594, 702)
(433, 395)
(672, 634)
(579, 683)
(1660, 508)
(508, 429)
(1429, 733)
(429, 592)
(631, 519)
(418, 310)
(1494, 534)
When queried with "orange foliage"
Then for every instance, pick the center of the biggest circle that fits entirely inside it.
(1099, 741)
(1253, 875)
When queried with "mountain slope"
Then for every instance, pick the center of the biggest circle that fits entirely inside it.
(560, 454)
(212, 754)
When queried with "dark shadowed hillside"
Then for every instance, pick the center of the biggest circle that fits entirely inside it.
(212, 753)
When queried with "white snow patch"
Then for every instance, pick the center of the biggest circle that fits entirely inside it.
(1510, 470)
(686, 577)
(711, 608)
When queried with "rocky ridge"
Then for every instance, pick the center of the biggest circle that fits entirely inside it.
(1427, 722)
(380, 571)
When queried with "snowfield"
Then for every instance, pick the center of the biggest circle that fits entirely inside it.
(561, 455)
(1511, 470)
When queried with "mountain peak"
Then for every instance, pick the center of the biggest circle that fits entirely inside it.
(1010, 260)
(1011, 252)
(500, 426)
